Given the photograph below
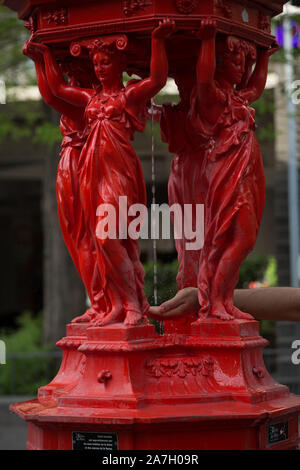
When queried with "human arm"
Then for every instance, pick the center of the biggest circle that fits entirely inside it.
(71, 94)
(258, 79)
(73, 112)
(251, 57)
(143, 91)
(268, 303)
(210, 99)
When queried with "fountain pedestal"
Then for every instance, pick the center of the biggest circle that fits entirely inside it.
(203, 387)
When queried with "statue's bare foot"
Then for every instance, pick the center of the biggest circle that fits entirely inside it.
(239, 315)
(100, 320)
(87, 317)
(108, 318)
(134, 318)
(218, 311)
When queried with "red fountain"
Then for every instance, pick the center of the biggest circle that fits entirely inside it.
(203, 384)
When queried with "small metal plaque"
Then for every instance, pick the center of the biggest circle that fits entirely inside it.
(278, 432)
(95, 441)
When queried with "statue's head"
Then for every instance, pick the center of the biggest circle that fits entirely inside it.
(106, 53)
(230, 59)
(80, 72)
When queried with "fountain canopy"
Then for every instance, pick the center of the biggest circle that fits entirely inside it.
(59, 23)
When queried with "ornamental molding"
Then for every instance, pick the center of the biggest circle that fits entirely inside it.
(130, 7)
(180, 367)
(225, 8)
(264, 22)
(69, 343)
(186, 7)
(59, 17)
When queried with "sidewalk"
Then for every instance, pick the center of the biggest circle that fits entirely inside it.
(13, 430)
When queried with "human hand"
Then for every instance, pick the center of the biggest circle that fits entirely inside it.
(39, 46)
(164, 29)
(274, 48)
(30, 51)
(33, 49)
(184, 303)
(207, 29)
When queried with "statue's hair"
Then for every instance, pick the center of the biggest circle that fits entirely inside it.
(110, 44)
(225, 46)
(113, 45)
(98, 45)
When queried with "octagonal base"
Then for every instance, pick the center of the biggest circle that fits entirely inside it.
(223, 426)
(200, 386)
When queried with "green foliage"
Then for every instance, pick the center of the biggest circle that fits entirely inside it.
(47, 133)
(15, 68)
(271, 272)
(264, 110)
(24, 375)
(23, 120)
(264, 105)
(166, 277)
(258, 268)
(27, 119)
(9, 130)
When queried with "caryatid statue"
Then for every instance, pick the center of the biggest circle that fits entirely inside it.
(228, 164)
(217, 163)
(99, 165)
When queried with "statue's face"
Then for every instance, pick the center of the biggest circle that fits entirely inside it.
(233, 67)
(106, 66)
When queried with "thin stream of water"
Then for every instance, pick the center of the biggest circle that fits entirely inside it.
(155, 279)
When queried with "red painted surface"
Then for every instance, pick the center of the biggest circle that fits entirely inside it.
(203, 384)
(205, 387)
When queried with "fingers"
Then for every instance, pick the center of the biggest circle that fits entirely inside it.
(184, 303)
(164, 28)
(275, 47)
(172, 303)
(207, 29)
(30, 51)
(208, 23)
(168, 22)
(173, 313)
(156, 314)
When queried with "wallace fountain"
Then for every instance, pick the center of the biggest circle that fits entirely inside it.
(203, 383)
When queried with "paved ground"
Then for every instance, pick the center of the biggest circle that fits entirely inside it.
(13, 430)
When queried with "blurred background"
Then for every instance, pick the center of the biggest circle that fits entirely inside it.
(40, 291)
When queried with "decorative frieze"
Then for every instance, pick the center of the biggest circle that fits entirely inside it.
(180, 367)
(130, 7)
(59, 16)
